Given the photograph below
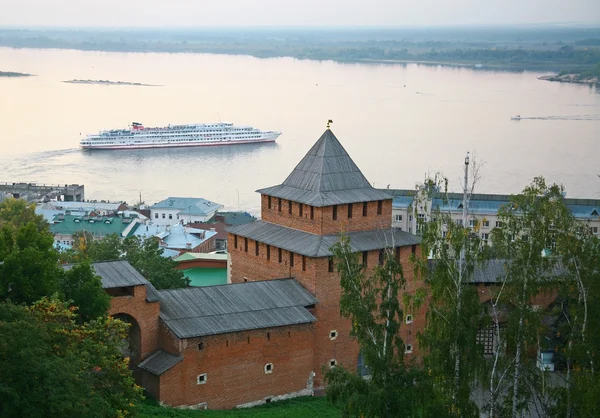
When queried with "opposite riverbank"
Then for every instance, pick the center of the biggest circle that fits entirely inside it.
(14, 74)
(108, 83)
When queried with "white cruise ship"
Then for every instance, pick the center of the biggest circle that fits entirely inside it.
(138, 136)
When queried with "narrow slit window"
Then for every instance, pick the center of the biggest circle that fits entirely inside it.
(379, 207)
(300, 209)
(334, 212)
(330, 267)
(256, 248)
(268, 252)
(365, 206)
(312, 213)
(291, 259)
(349, 210)
(280, 254)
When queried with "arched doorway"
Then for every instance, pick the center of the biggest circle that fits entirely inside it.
(132, 345)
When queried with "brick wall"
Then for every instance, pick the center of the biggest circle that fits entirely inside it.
(323, 222)
(235, 367)
(325, 286)
(146, 315)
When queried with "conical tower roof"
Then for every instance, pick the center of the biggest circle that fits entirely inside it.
(326, 176)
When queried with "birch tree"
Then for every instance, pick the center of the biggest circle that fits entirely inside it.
(372, 302)
(532, 224)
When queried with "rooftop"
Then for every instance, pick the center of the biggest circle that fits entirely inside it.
(96, 225)
(326, 176)
(201, 311)
(188, 205)
(313, 245)
(175, 237)
(159, 362)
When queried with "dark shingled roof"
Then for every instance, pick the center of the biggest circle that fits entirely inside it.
(211, 310)
(121, 274)
(159, 362)
(326, 176)
(494, 271)
(313, 245)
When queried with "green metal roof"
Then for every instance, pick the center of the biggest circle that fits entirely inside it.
(206, 276)
(101, 226)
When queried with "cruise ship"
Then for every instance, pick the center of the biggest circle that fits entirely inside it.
(138, 136)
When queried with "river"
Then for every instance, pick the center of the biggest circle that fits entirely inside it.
(398, 122)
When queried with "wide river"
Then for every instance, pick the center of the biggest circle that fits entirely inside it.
(398, 122)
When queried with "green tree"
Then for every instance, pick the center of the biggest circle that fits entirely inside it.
(146, 257)
(106, 249)
(83, 288)
(29, 268)
(53, 367)
(17, 212)
(455, 314)
(529, 240)
(372, 303)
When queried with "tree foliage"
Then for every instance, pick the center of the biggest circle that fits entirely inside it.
(53, 367)
(372, 303)
(81, 286)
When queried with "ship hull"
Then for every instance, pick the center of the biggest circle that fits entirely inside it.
(165, 144)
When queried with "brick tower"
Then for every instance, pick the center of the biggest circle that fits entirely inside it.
(325, 194)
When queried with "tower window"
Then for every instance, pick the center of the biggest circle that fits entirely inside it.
(300, 209)
(334, 212)
(279, 204)
(379, 207)
(365, 206)
(381, 257)
(245, 244)
(365, 257)
(349, 210)
(268, 252)
(330, 267)
(291, 259)
(289, 207)
(235, 241)
(269, 203)
(303, 263)
(256, 248)
(312, 212)
(280, 254)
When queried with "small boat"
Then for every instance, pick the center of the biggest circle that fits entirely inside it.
(517, 117)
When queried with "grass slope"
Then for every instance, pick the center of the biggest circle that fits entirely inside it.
(298, 407)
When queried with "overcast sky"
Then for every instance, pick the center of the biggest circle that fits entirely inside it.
(161, 13)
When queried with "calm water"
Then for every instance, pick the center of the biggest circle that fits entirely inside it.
(395, 134)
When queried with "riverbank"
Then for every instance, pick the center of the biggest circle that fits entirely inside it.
(14, 74)
(109, 83)
(570, 78)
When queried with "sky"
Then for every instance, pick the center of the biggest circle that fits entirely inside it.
(227, 13)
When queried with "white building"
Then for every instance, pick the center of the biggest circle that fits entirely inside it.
(187, 209)
(483, 210)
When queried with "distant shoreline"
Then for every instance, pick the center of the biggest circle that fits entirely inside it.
(109, 83)
(14, 74)
(570, 78)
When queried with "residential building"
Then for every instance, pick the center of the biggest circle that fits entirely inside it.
(64, 226)
(183, 210)
(483, 209)
(219, 224)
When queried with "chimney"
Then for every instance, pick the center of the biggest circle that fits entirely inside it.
(188, 245)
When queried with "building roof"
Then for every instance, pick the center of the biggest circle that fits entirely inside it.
(201, 256)
(96, 225)
(175, 237)
(232, 218)
(159, 362)
(313, 245)
(188, 205)
(122, 274)
(493, 271)
(202, 311)
(218, 227)
(326, 176)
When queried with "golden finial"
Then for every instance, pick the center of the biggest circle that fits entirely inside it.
(329, 122)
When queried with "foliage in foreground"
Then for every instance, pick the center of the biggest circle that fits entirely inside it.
(51, 366)
(293, 408)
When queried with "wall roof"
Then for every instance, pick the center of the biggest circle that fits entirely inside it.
(159, 362)
(313, 245)
(203, 311)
